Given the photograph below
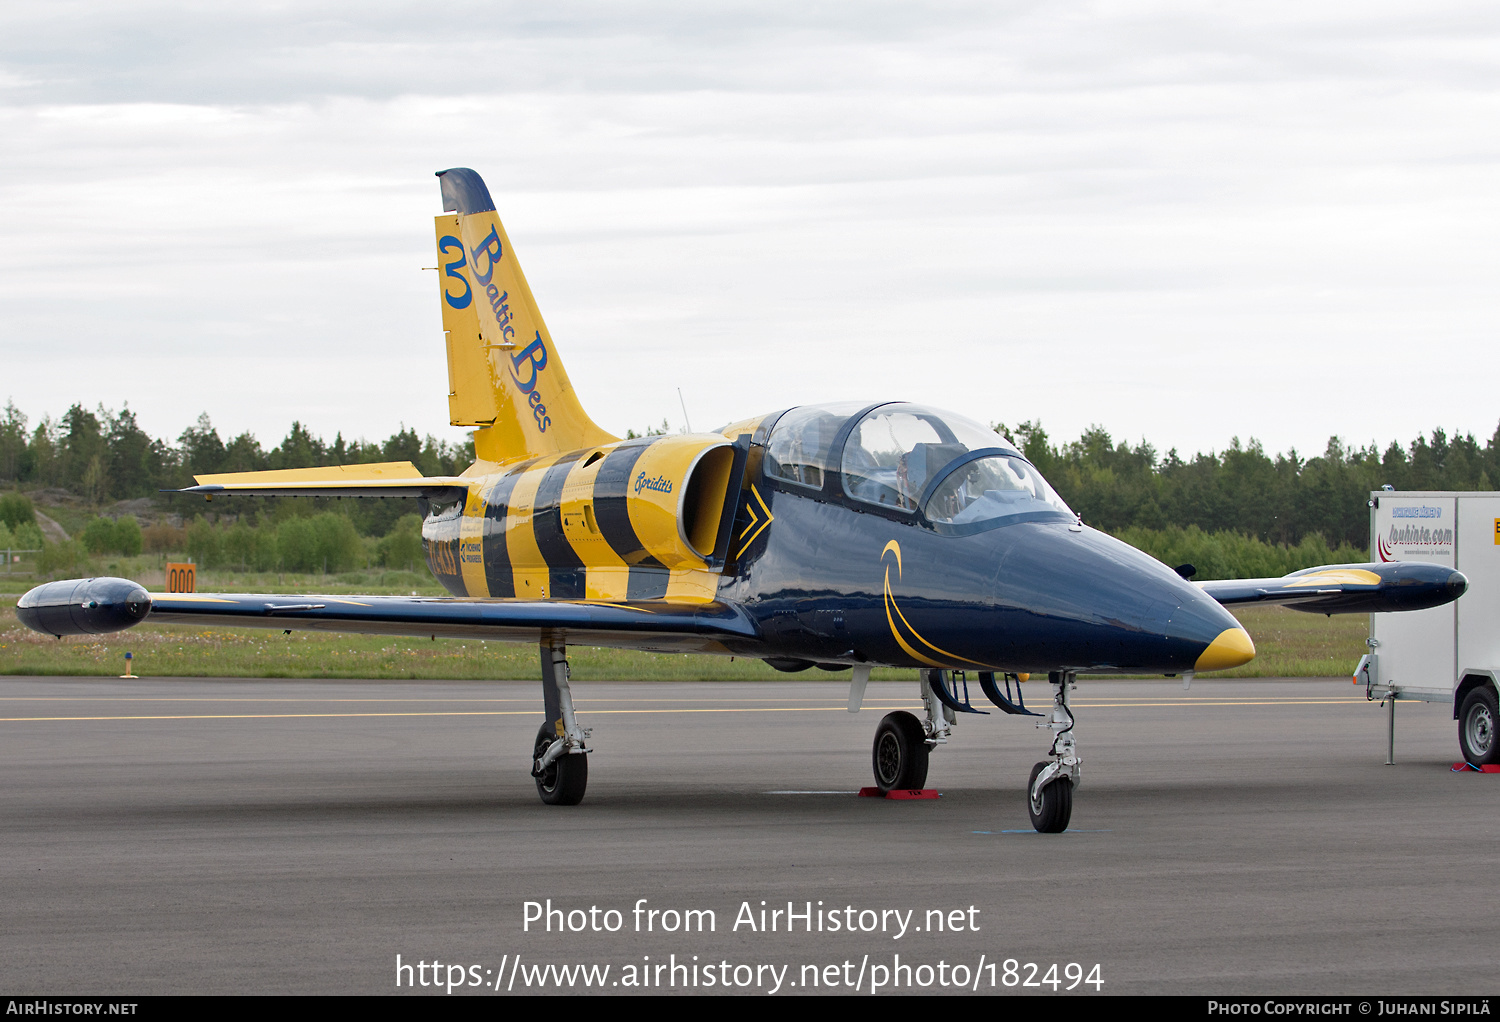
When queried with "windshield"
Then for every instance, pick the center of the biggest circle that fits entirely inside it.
(897, 450)
(990, 488)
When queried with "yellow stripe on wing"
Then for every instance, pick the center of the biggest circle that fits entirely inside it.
(1337, 577)
(188, 598)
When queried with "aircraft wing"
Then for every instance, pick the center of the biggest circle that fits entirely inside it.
(1348, 588)
(102, 605)
(384, 479)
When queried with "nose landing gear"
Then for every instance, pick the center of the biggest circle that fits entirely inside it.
(903, 744)
(1051, 785)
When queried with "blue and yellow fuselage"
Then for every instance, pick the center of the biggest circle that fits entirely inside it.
(827, 579)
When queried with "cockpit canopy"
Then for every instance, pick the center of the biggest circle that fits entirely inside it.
(910, 458)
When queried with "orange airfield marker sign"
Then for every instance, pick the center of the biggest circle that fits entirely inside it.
(182, 578)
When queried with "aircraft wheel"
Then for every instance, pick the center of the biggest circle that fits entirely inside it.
(564, 780)
(1056, 808)
(1476, 727)
(900, 753)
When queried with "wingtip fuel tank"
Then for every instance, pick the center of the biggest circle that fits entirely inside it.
(84, 606)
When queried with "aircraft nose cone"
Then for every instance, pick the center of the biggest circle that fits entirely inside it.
(1232, 648)
(1098, 604)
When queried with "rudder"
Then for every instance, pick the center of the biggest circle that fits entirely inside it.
(504, 373)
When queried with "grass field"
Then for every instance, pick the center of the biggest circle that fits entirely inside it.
(1289, 644)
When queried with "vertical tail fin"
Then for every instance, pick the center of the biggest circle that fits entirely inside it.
(504, 375)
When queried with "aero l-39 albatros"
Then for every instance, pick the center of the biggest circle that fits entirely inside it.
(834, 536)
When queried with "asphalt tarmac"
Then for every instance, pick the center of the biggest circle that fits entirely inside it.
(246, 836)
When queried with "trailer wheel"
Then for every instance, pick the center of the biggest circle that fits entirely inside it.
(1477, 720)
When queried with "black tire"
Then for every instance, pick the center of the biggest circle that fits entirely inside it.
(564, 780)
(1477, 720)
(1052, 816)
(899, 756)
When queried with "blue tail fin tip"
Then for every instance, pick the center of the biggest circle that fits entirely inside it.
(464, 191)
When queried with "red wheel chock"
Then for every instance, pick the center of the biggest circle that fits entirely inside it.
(1459, 768)
(900, 793)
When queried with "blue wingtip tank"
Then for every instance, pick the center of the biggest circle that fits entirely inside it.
(88, 606)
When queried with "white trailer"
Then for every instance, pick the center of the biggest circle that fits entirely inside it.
(1448, 654)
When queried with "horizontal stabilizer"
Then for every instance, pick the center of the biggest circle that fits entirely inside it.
(1348, 588)
(382, 479)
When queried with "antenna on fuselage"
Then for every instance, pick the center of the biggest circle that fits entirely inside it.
(682, 402)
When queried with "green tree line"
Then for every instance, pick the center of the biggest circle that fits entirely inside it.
(324, 542)
(104, 455)
(1281, 500)
(1239, 512)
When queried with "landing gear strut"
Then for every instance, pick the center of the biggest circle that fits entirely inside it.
(559, 756)
(1050, 788)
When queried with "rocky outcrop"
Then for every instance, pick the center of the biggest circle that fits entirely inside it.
(51, 530)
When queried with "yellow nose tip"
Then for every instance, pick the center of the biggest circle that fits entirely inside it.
(1232, 648)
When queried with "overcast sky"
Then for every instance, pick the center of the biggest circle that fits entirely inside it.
(1184, 221)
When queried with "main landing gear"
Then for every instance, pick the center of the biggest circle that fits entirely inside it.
(559, 756)
(903, 743)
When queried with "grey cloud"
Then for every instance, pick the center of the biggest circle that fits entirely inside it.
(277, 53)
(257, 53)
(1077, 205)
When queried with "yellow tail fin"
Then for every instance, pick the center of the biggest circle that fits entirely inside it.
(504, 375)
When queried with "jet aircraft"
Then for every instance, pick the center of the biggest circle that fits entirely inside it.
(832, 536)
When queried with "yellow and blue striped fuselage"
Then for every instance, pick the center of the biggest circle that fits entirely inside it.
(638, 519)
(693, 519)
